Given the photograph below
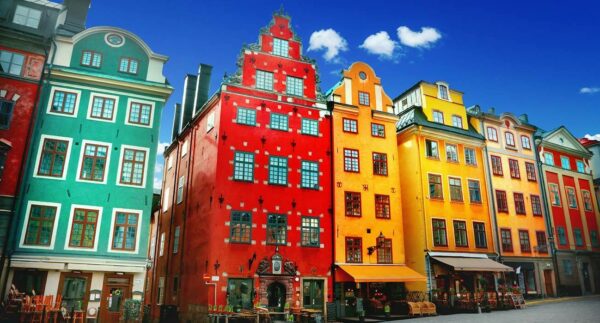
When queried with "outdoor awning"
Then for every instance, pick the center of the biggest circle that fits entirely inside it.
(473, 264)
(377, 274)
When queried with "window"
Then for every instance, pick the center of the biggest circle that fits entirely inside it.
(455, 189)
(264, 80)
(310, 231)
(524, 241)
(93, 162)
(310, 127)
(102, 108)
(6, 111)
(3, 155)
(309, 175)
(501, 201)
(587, 200)
(451, 153)
(384, 251)
(443, 92)
(26, 16)
(549, 158)
(578, 237)
(161, 248)
(352, 202)
(377, 130)
(294, 86)
(562, 237)
(536, 205)
(240, 227)
(184, 149)
(125, 231)
(90, 58)
(11, 63)
(180, 186)
(470, 158)
(128, 65)
(431, 149)
(243, 166)
(350, 125)
(492, 134)
(580, 166)
(564, 162)
(276, 229)
(439, 233)
(53, 157)
(435, 187)
(363, 98)
(280, 47)
(525, 142)
(279, 121)
(519, 203)
(496, 165)
(382, 206)
(40, 225)
(140, 113)
(83, 228)
(240, 293)
(166, 199)
(513, 165)
(460, 234)
(594, 238)
(63, 102)
(176, 239)
(542, 246)
(554, 195)
(457, 121)
(571, 198)
(474, 191)
(380, 164)
(506, 240)
(132, 167)
(351, 163)
(278, 170)
(530, 170)
(480, 238)
(438, 116)
(246, 116)
(353, 250)
(510, 139)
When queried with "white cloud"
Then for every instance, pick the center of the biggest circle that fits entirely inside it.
(380, 44)
(424, 38)
(161, 148)
(589, 90)
(330, 40)
(593, 137)
(158, 168)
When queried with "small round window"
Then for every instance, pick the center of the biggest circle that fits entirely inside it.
(362, 75)
(114, 40)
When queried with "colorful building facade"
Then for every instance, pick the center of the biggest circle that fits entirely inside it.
(87, 196)
(568, 183)
(252, 186)
(448, 226)
(369, 234)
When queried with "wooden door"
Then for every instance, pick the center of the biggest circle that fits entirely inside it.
(116, 289)
(75, 290)
(312, 292)
(548, 282)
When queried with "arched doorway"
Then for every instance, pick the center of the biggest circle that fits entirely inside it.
(276, 295)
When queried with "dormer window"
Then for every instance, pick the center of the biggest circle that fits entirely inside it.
(28, 17)
(280, 47)
(128, 65)
(443, 92)
(90, 58)
(438, 116)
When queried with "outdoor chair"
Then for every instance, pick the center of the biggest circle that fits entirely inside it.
(414, 309)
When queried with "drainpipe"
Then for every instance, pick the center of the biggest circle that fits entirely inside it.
(492, 200)
(425, 238)
(332, 214)
(549, 228)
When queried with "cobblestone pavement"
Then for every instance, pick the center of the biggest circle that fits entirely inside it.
(578, 310)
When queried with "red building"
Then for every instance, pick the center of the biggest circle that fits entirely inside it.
(565, 165)
(247, 189)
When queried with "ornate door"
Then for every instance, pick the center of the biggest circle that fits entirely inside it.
(116, 289)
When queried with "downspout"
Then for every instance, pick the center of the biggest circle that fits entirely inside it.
(332, 214)
(425, 238)
(492, 200)
(549, 228)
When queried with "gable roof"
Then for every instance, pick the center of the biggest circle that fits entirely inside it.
(415, 116)
(562, 139)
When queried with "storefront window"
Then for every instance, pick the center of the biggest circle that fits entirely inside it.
(239, 293)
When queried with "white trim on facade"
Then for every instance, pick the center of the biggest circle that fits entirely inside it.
(103, 95)
(106, 168)
(70, 225)
(138, 230)
(39, 155)
(26, 223)
(118, 179)
(132, 95)
(51, 99)
(152, 112)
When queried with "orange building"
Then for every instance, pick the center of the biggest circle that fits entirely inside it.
(368, 231)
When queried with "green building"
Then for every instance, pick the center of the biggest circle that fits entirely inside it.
(85, 207)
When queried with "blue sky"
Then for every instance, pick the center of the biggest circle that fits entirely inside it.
(534, 57)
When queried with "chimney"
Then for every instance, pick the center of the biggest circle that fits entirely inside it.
(202, 84)
(77, 11)
(189, 95)
(524, 118)
(177, 113)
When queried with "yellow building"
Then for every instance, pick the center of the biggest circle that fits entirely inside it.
(517, 199)
(368, 234)
(447, 222)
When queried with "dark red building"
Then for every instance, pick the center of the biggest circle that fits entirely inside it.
(246, 214)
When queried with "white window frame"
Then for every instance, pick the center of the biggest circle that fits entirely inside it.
(102, 95)
(459, 118)
(210, 121)
(69, 227)
(180, 186)
(30, 203)
(161, 248)
(118, 179)
(39, 155)
(140, 214)
(152, 112)
(166, 199)
(106, 169)
(439, 92)
(169, 162)
(474, 163)
(51, 99)
(29, 9)
(546, 154)
(562, 165)
(433, 113)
